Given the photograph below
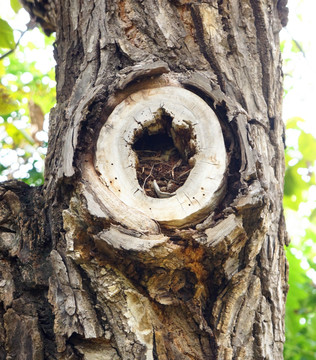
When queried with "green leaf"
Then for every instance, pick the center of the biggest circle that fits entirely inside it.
(16, 6)
(294, 188)
(2, 69)
(7, 103)
(300, 343)
(297, 280)
(282, 44)
(6, 35)
(307, 146)
(35, 178)
(313, 217)
(292, 122)
(18, 135)
(296, 47)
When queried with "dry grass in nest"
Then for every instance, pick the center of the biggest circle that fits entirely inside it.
(160, 160)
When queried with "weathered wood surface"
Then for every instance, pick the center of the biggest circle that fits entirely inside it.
(194, 128)
(81, 279)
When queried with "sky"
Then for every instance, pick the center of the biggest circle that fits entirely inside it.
(300, 74)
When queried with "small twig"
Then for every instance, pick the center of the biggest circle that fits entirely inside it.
(16, 45)
(162, 194)
(175, 166)
(147, 177)
(29, 26)
(184, 173)
(296, 43)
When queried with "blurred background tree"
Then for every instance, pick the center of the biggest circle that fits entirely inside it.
(299, 56)
(27, 93)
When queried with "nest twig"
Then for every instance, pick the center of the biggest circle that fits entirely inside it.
(165, 166)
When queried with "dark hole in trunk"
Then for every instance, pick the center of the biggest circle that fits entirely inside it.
(159, 159)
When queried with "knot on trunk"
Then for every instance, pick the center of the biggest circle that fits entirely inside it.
(162, 152)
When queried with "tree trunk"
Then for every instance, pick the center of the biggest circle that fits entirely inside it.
(159, 231)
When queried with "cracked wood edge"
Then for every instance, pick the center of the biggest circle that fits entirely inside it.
(116, 161)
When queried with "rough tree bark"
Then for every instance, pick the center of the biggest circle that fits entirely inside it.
(89, 273)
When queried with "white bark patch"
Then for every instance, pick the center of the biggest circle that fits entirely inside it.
(7, 286)
(97, 351)
(139, 320)
(231, 226)
(119, 240)
(138, 114)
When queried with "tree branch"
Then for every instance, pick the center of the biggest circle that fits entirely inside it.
(29, 26)
(16, 45)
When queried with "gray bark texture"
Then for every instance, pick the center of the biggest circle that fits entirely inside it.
(85, 276)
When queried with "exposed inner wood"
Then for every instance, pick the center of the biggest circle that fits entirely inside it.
(197, 136)
(159, 159)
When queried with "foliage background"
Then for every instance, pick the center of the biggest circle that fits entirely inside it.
(27, 93)
(299, 56)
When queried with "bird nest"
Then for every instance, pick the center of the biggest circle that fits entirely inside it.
(160, 162)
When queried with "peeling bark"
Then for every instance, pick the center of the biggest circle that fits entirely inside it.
(89, 274)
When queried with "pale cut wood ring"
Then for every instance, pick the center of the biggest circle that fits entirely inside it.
(115, 159)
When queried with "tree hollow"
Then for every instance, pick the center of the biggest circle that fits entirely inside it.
(176, 116)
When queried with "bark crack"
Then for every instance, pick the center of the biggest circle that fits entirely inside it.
(206, 49)
(264, 47)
